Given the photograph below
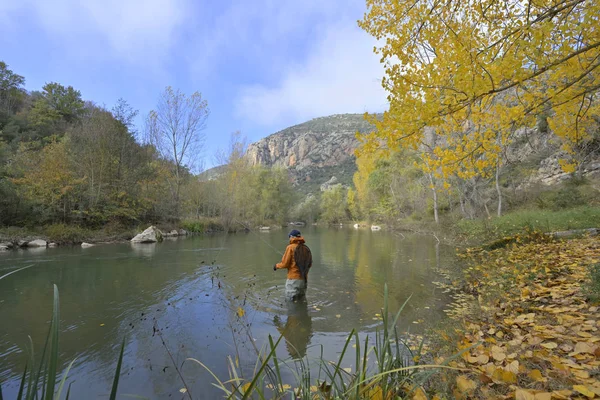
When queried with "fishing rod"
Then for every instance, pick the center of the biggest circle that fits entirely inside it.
(257, 235)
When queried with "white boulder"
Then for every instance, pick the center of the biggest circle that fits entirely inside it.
(150, 235)
(37, 243)
(375, 228)
(86, 245)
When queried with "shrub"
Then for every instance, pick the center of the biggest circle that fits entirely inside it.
(62, 233)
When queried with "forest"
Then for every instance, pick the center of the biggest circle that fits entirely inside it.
(67, 163)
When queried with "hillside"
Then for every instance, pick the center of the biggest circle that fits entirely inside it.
(313, 151)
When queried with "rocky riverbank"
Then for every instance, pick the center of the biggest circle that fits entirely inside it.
(19, 238)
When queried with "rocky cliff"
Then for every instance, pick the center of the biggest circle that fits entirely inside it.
(314, 151)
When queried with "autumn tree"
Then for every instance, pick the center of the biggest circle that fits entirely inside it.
(176, 128)
(333, 204)
(47, 179)
(473, 71)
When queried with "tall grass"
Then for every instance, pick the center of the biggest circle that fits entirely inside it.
(395, 373)
(533, 220)
(38, 382)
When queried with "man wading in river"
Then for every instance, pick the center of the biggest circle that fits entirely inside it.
(297, 260)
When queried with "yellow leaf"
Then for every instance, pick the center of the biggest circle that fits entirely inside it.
(502, 375)
(338, 316)
(522, 394)
(543, 396)
(240, 312)
(498, 354)
(583, 347)
(245, 387)
(419, 394)
(584, 391)
(549, 345)
(464, 384)
(561, 394)
(513, 367)
(101, 324)
(183, 390)
(536, 375)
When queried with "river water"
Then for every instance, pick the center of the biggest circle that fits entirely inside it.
(183, 298)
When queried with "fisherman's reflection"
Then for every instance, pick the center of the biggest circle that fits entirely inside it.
(297, 329)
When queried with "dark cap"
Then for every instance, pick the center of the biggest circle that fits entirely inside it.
(295, 233)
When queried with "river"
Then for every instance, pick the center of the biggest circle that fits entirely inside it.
(188, 292)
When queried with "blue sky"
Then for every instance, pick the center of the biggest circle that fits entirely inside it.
(262, 65)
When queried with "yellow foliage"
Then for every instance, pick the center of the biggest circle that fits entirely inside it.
(474, 71)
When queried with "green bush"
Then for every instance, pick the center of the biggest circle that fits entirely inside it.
(202, 225)
(62, 233)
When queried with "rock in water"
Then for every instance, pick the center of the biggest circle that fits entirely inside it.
(3, 248)
(182, 232)
(85, 245)
(52, 244)
(150, 235)
(37, 243)
(174, 232)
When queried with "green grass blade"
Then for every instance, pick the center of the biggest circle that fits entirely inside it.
(397, 317)
(63, 380)
(22, 385)
(249, 389)
(53, 359)
(339, 363)
(31, 372)
(15, 271)
(276, 363)
(358, 370)
(115, 385)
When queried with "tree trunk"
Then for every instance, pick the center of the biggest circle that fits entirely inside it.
(498, 189)
(435, 199)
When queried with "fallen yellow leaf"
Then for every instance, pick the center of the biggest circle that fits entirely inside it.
(584, 391)
(549, 345)
(464, 384)
(498, 354)
(240, 312)
(522, 394)
(536, 375)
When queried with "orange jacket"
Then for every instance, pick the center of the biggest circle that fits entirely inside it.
(289, 262)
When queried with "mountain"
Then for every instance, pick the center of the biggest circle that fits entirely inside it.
(314, 151)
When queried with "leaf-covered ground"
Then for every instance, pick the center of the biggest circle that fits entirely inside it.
(524, 317)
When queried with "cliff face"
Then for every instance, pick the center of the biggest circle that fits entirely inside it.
(314, 151)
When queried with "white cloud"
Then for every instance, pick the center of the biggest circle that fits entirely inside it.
(130, 28)
(340, 75)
